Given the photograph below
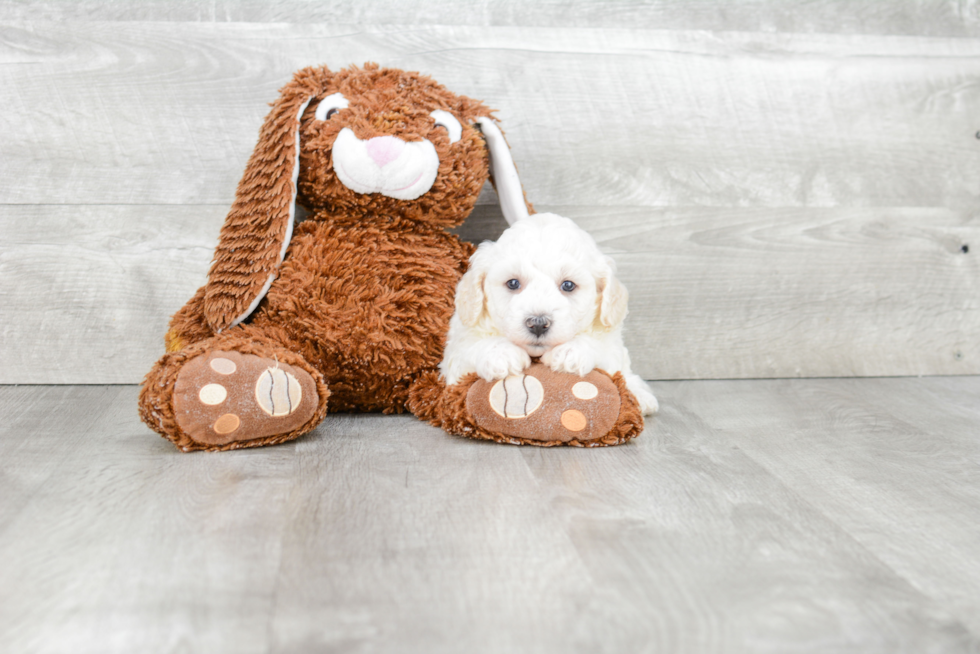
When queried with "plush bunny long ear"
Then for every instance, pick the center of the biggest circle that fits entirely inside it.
(505, 178)
(257, 230)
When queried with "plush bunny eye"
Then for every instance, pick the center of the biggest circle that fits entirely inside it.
(513, 284)
(447, 120)
(330, 105)
(568, 286)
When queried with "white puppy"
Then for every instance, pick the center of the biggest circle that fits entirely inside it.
(542, 290)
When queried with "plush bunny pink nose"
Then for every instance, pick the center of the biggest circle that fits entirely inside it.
(385, 149)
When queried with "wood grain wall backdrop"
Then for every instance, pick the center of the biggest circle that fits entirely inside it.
(780, 204)
(916, 17)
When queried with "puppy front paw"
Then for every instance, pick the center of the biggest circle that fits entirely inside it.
(570, 357)
(501, 359)
(648, 402)
(640, 390)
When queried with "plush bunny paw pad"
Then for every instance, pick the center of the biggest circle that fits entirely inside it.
(222, 397)
(546, 406)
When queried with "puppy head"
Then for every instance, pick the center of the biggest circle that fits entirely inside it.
(541, 284)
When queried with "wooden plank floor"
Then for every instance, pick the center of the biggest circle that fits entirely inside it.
(762, 516)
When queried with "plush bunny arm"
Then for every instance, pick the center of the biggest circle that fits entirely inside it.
(257, 230)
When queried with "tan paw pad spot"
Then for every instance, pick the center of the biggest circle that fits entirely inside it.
(223, 366)
(517, 396)
(227, 423)
(277, 392)
(212, 394)
(573, 420)
(585, 391)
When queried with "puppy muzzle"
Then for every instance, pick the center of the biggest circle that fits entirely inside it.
(537, 325)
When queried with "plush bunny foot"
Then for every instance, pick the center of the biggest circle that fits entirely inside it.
(545, 408)
(226, 397)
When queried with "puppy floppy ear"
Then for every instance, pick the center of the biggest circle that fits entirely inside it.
(613, 297)
(506, 181)
(471, 300)
(257, 230)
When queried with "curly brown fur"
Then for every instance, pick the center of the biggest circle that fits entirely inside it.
(188, 325)
(252, 236)
(372, 338)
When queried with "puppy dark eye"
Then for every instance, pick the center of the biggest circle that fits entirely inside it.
(513, 284)
(568, 286)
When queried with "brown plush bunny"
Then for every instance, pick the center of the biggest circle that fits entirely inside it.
(349, 309)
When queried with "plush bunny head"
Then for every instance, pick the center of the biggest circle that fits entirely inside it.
(360, 144)
(387, 142)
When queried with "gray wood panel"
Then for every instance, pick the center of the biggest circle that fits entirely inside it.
(166, 113)
(88, 290)
(896, 463)
(752, 516)
(797, 292)
(714, 293)
(779, 204)
(919, 17)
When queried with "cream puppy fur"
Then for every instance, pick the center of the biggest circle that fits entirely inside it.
(542, 290)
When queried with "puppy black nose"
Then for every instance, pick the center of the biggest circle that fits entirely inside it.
(538, 324)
